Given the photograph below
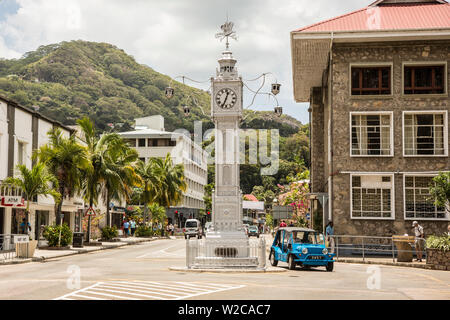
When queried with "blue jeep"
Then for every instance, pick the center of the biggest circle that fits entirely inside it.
(300, 246)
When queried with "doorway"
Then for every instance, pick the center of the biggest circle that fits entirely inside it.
(41, 220)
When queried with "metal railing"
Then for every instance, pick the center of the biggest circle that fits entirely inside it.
(367, 246)
(213, 254)
(9, 250)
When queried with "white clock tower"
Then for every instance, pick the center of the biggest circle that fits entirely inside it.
(226, 112)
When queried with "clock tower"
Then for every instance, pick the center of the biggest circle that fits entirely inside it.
(226, 112)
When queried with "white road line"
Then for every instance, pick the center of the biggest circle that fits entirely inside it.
(146, 290)
(210, 292)
(81, 290)
(85, 297)
(111, 295)
(137, 290)
(129, 293)
(169, 286)
(209, 285)
(165, 288)
(163, 252)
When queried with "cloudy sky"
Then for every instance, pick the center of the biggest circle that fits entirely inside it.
(175, 37)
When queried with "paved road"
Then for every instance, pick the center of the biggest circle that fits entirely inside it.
(141, 272)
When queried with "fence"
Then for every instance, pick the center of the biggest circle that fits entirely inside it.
(214, 253)
(366, 246)
(8, 249)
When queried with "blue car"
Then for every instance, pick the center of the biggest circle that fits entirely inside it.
(300, 246)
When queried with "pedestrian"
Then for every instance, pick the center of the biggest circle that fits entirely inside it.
(420, 239)
(126, 227)
(133, 227)
(25, 227)
(171, 229)
(329, 233)
(283, 224)
(291, 224)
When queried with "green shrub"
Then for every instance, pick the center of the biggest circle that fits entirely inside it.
(439, 243)
(109, 233)
(51, 234)
(144, 231)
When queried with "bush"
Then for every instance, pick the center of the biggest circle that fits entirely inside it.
(144, 231)
(439, 243)
(51, 234)
(109, 233)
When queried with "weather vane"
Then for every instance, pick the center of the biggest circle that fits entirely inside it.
(227, 32)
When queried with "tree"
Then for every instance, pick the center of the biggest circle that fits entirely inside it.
(33, 183)
(440, 191)
(151, 183)
(65, 159)
(119, 173)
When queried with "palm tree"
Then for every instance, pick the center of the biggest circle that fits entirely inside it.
(172, 181)
(33, 183)
(151, 184)
(120, 173)
(65, 159)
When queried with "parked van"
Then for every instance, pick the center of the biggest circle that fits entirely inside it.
(193, 228)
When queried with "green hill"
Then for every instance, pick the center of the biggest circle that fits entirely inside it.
(78, 78)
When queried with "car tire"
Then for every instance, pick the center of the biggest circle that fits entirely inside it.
(291, 262)
(330, 266)
(273, 261)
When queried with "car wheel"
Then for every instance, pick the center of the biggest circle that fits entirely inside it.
(291, 262)
(330, 266)
(273, 261)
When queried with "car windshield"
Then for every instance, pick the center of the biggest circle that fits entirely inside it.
(253, 229)
(191, 224)
(304, 237)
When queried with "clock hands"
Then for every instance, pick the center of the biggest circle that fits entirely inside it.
(225, 101)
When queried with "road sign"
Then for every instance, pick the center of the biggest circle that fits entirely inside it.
(90, 212)
(21, 239)
(308, 216)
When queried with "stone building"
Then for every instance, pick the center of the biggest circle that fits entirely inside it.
(377, 83)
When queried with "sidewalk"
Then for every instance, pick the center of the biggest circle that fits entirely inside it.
(387, 262)
(44, 255)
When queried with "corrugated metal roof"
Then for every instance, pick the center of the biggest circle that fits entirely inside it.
(388, 17)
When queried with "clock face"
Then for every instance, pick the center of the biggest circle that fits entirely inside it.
(226, 98)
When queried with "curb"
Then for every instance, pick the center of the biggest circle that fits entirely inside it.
(268, 270)
(392, 264)
(75, 252)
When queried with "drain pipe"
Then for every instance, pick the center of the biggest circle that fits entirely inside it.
(330, 146)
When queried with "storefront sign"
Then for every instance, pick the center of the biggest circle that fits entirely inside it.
(21, 239)
(12, 201)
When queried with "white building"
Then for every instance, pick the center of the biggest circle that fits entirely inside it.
(152, 141)
(21, 132)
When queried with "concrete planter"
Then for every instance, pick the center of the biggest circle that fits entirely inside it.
(26, 250)
(439, 259)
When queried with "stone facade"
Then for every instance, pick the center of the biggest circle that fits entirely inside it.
(342, 164)
(439, 259)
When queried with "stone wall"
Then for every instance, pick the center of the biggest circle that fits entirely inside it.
(343, 104)
(318, 129)
(439, 259)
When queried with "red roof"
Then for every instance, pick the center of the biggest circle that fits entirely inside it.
(388, 17)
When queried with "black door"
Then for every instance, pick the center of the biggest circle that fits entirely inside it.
(2, 220)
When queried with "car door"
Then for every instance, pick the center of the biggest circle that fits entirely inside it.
(278, 242)
(286, 236)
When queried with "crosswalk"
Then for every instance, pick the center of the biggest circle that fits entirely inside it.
(146, 290)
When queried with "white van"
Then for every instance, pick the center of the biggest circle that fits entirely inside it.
(192, 228)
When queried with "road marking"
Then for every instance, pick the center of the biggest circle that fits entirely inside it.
(164, 254)
(146, 290)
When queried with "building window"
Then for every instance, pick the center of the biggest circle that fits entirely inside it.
(372, 197)
(424, 79)
(131, 142)
(371, 135)
(371, 81)
(141, 143)
(425, 134)
(21, 153)
(418, 201)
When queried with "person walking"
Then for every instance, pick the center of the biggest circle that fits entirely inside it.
(133, 227)
(25, 227)
(420, 239)
(329, 233)
(172, 229)
(126, 228)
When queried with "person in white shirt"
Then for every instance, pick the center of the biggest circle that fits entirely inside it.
(420, 240)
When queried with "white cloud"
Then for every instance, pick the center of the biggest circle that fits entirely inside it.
(175, 36)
